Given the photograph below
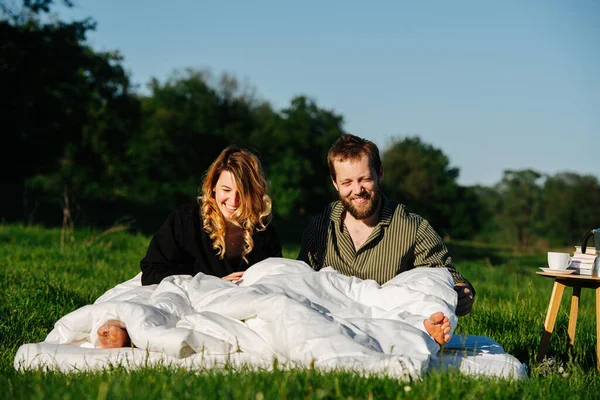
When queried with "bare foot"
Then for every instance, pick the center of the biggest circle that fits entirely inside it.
(112, 335)
(438, 327)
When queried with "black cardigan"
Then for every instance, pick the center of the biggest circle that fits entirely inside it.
(181, 246)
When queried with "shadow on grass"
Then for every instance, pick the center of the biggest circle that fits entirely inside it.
(45, 303)
(470, 251)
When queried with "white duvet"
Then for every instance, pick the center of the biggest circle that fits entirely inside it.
(281, 310)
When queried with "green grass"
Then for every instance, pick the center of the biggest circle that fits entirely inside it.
(42, 282)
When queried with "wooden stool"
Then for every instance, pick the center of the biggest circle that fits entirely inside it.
(560, 283)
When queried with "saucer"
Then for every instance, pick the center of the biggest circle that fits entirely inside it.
(558, 271)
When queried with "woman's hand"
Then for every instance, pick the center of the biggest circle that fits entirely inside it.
(233, 277)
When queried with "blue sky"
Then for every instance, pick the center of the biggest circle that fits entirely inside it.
(494, 85)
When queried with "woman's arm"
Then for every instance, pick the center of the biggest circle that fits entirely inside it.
(273, 245)
(165, 256)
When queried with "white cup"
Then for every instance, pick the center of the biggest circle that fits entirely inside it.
(559, 260)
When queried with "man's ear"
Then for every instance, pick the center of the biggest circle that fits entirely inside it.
(334, 184)
(380, 174)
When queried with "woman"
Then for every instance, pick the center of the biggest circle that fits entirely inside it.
(223, 233)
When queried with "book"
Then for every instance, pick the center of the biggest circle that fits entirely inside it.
(588, 250)
(581, 264)
(583, 260)
(584, 271)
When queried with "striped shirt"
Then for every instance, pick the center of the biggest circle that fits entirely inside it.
(399, 242)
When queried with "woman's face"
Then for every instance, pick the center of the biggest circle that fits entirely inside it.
(227, 195)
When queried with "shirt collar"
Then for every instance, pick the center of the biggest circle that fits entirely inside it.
(387, 212)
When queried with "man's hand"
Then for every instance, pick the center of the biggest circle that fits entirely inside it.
(465, 298)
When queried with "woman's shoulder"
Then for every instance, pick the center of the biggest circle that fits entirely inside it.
(186, 212)
(269, 230)
(268, 241)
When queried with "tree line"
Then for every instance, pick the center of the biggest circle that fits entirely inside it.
(82, 145)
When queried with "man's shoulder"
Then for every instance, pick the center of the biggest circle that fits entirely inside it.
(400, 212)
(327, 212)
(321, 220)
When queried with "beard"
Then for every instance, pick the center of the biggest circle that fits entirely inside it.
(364, 210)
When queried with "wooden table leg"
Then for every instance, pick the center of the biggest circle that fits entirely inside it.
(557, 292)
(598, 327)
(573, 316)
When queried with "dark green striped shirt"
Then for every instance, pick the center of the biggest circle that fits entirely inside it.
(401, 241)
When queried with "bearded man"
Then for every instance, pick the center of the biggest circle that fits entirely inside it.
(366, 235)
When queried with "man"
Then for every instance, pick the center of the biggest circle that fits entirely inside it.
(364, 234)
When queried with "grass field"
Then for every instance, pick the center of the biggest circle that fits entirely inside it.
(42, 282)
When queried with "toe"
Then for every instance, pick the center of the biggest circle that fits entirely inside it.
(437, 317)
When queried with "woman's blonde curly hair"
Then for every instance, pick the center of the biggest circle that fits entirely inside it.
(254, 211)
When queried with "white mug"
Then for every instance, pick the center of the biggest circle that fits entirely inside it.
(559, 260)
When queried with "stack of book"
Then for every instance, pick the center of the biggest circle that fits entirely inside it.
(582, 263)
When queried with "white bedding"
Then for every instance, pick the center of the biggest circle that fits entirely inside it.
(281, 310)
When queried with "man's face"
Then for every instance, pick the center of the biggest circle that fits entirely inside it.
(358, 187)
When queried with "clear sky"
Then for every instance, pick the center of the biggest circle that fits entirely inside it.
(494, 84)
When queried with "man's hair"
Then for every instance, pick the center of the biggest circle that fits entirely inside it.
(350, 147)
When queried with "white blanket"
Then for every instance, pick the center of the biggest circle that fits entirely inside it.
(281, 310)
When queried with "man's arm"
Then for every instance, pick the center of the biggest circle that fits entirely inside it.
(466, 297)
(308, 250)
(430, 251)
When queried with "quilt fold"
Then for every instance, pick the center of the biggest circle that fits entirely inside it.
(282, 309)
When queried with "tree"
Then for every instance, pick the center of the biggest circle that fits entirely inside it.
(18, 12)
(420, 176)
(294, 144)
(65, 107)
(490, 207)
(569, 207)
(520, 194)
(187, 121)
